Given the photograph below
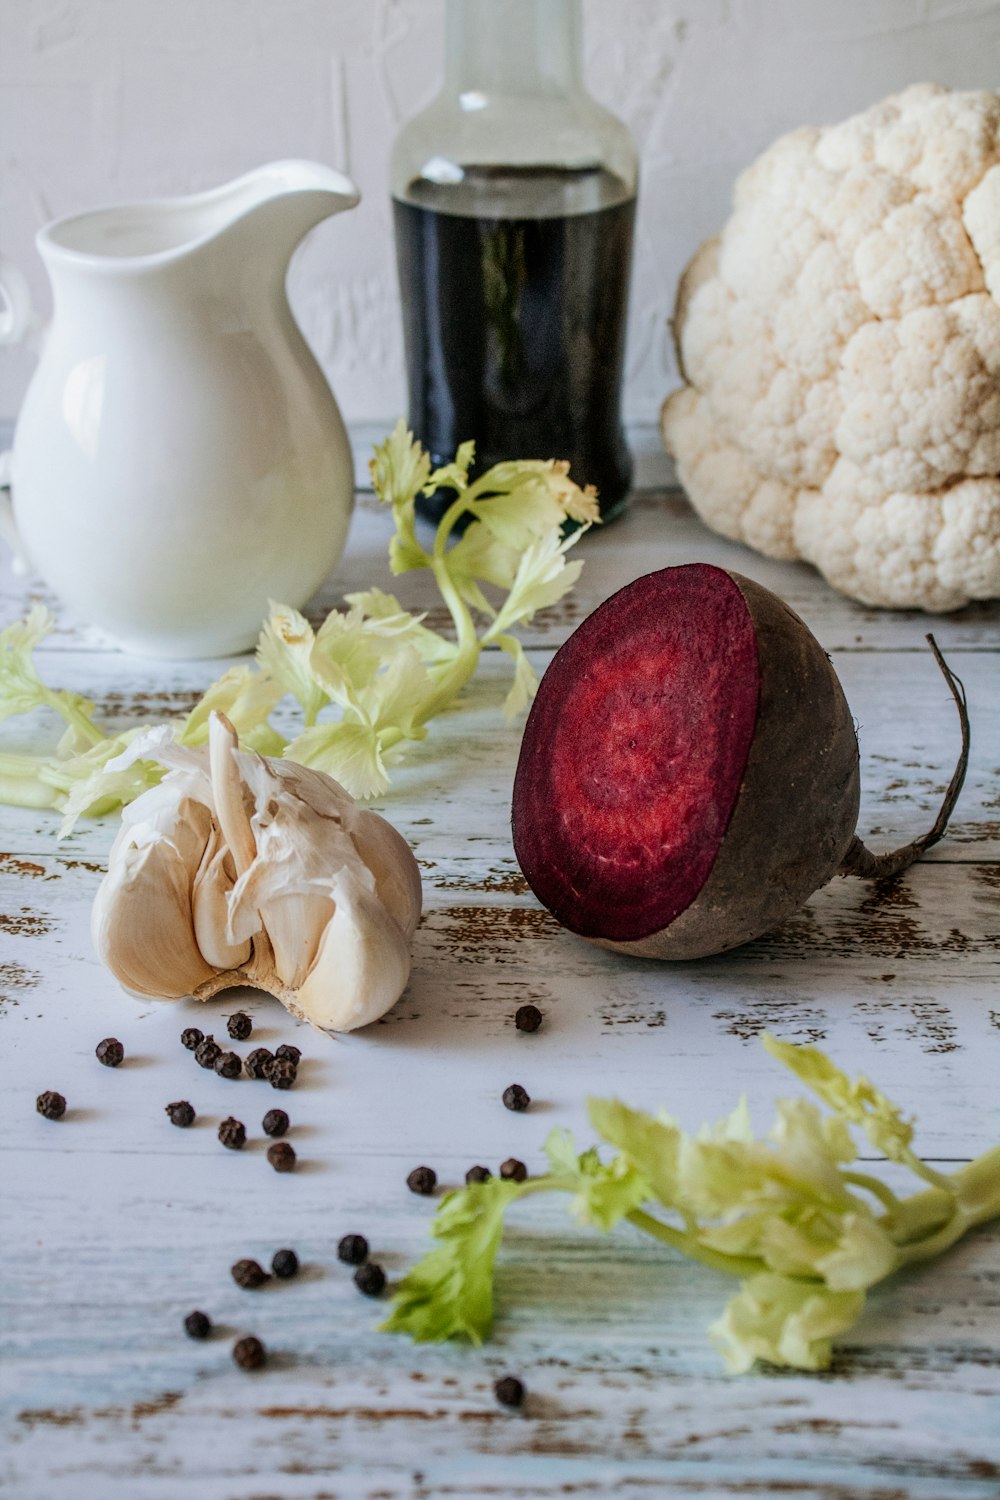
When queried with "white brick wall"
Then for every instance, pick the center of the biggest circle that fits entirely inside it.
(106, 99)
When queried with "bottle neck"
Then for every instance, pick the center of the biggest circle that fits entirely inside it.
(512, 47)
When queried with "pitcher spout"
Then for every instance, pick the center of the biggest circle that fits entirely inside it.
(278, 204)
(274, 205)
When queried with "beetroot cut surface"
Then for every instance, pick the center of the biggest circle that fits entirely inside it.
(635, 751)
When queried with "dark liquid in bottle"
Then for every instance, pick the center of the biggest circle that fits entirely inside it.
(514, 286)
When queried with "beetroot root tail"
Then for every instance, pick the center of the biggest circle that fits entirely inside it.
(859, 860)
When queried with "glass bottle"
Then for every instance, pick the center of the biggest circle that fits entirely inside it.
(514, 201)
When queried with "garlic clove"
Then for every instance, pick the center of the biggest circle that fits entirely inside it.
(279, 896)
(362, 965)
(228, 791)
(142, 923)
(295, 924)
(390, 859)
(210, 907)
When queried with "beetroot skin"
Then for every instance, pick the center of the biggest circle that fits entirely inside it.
(689, 770)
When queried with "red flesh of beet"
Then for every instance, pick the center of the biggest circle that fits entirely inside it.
(642, 755)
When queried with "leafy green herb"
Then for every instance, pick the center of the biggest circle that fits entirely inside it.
(806, 1234)
(373, 675)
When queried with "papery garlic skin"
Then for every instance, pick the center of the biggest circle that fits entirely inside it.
(239, 869)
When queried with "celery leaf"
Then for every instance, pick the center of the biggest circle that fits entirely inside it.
(784, 1322)
(284, 653)
(348, 751)
(449, 1293)
(858, 1102)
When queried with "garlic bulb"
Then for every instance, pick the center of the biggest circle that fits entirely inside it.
(237, 869)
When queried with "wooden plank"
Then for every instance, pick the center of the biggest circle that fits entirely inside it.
(896, 984)
(121, 1223)
(626, 1395)
(658, 531)
(907, 727)
(124, 1223)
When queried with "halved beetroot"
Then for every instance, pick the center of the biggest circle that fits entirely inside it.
(689, 769)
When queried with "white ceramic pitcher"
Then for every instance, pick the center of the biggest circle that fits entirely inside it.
(179, 459)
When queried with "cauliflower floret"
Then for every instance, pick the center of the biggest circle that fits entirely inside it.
(922, 396)
(770, 389)
(948, 143)
(740, 502)
(841, 341)
(856, 140)
(902, 550)
(859, 201)
(777, 167)
(764, 247)
(823, 304)
(920, 254)
(981, 215)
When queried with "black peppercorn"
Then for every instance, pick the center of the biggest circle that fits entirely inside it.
(207, 1052)
(249, 1353)
(197, 1325)
(281, 1156)
(370, 1279)
(281, 1073)
(353, 1249)
(478, 1174)
(110, 1052)
(287, 1053)
(275, 1122)
(516, 1098)
(51, 1105)
(257, 1062)
(181, 1113)
(285, 1264)
(509, 1391)
(190, 1037)
(513, 1170)
(228, 1065)
(527, 1018)
(233, 1134)
(422, 1180)
(249, 1274)
(239, 1026)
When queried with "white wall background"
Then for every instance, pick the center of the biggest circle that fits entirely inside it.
(108, 99)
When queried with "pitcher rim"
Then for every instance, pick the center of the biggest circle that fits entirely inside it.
(316, 177)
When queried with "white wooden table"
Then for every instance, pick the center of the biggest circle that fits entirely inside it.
(115, 1224)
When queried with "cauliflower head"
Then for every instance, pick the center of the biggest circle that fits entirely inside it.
(840, 344)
